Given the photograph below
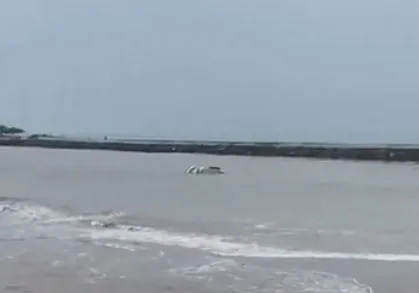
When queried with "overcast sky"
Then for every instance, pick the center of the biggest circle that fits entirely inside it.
(240, 69)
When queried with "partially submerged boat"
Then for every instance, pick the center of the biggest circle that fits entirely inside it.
(212, 170)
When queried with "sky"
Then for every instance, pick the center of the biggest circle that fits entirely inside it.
(327, 70)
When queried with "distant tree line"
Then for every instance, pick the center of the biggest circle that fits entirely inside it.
(10, 130)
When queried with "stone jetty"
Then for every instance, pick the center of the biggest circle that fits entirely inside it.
(392, 152)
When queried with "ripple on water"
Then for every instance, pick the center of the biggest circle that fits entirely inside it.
(241, 277)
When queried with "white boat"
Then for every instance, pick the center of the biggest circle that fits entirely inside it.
(212, 170)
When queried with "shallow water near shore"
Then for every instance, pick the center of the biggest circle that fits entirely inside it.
(98, 221)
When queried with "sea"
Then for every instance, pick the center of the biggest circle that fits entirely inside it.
(101, 221)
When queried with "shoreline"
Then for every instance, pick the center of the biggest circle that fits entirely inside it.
(361, 152)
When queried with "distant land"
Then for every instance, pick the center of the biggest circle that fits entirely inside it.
(17, 137)
(10, 130)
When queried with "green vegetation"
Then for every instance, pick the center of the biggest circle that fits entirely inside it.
(10, 130)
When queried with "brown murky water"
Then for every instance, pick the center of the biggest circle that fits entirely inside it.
(267, 225)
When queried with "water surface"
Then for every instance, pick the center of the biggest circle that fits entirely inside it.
(267, 225)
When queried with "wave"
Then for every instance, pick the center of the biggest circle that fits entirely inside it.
(274, 280)
(23, 211)
(106, 230)
(105, 227)
(219, 245)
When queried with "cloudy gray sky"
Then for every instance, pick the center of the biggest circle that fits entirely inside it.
(322, 70)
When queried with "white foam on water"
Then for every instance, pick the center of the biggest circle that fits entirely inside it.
(221, 265)
(121, 238)
(23, 221)
(21, 211)
(221, 246)
(313, 281)
(212, 243)
(270, 279)
(95, 220)
(120, 246)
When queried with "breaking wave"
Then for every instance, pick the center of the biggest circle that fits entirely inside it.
(109, 230)
(103, 227)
